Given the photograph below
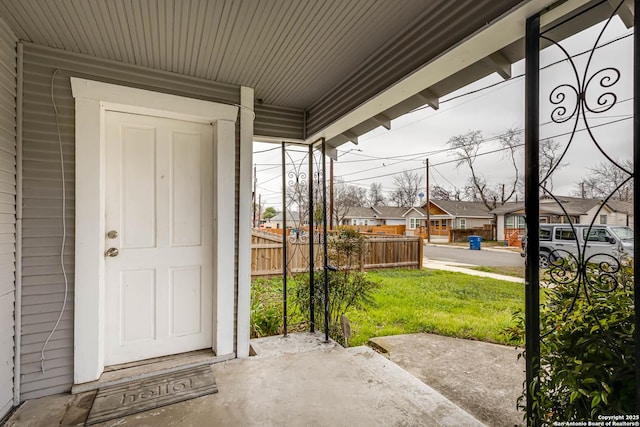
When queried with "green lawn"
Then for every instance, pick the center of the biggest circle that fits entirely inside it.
(453, 304)
(507, 271)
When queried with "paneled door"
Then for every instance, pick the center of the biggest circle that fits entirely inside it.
(158, 237)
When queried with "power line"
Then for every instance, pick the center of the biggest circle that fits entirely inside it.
(416, 156)
(513, 79)
(267, 150)
(488, 152)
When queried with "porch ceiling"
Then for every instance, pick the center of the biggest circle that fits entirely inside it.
(326, 57)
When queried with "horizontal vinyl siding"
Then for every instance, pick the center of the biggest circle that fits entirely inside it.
(7, 213)
(279, 122)
(43, 283)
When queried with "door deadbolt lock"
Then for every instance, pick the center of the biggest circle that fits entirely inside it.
(112, 252)
(112, 234)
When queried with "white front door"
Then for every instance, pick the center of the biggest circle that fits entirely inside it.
(159, 214)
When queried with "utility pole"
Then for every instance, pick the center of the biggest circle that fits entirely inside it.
(259, 208)
(428, 204)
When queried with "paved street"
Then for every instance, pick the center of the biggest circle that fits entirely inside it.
(483, 257)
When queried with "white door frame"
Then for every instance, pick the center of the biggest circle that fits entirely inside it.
(92, 99)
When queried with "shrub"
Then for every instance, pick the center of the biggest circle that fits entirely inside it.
(347, 288)
(266, 307)
(587, 351)
(352, 289)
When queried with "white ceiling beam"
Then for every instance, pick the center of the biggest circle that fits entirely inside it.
(350, 136)
(429, 98)
(382, 120)
(500, 64)
(625, 12)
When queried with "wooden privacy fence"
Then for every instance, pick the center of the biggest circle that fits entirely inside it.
(398, 230)
(379, 252)
(487, 232)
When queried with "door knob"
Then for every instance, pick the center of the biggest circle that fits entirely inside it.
(112, 234)
(112, 252)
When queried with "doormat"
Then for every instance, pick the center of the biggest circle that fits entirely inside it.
(122, 400)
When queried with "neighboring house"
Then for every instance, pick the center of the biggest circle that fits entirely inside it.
(415, 219)
(357, 215)
(446, 215)
(277, 221)
(510, 219)
(376, 215)
(153, 107)
(392, 215)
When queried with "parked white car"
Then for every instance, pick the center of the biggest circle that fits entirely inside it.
(594, 243)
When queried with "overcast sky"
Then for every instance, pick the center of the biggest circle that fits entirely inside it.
(381, 154)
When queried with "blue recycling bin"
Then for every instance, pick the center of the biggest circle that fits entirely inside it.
(474, 242)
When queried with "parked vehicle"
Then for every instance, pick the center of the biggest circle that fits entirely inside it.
(593, 243)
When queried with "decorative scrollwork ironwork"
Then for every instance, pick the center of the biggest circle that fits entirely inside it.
(563, 267)
(606, 100)
(601, 272)
(557, 97)
(589, 91)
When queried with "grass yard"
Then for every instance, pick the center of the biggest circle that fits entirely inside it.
(441, 302)
(507, 271)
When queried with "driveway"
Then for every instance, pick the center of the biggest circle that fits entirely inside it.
(488, 257)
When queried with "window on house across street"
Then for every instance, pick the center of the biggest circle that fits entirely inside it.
(603, 219)
(514, 221)
(414, 222)
(463, 223)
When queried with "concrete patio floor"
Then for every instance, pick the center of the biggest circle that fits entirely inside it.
(292, 381)
(483, 378)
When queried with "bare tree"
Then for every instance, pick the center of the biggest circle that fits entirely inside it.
(549, 162)
(437, 192)
(346, 196)
(298, 203)
(605, 179)
(375, 196)
(408, 186)
(466, 148)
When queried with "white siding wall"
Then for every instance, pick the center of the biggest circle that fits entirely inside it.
(500, 227)
(396, 222)
(593, 213)
(43, 285)
(618, 218)
(7, 212)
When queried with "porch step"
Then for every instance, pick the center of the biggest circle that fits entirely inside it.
(420, 394)
(120, 374)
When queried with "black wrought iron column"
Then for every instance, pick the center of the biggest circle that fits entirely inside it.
(324, 241)
(284, 239)
(532, 208)
(636, 184)
(312, 255)
(585, 86)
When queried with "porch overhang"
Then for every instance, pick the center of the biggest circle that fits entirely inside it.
(494, 48)
(337, 69)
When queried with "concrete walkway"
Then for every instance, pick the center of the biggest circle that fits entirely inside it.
(293, 381)
(484, 379)
(459, 267)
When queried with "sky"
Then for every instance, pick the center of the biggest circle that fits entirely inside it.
(382, 154)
